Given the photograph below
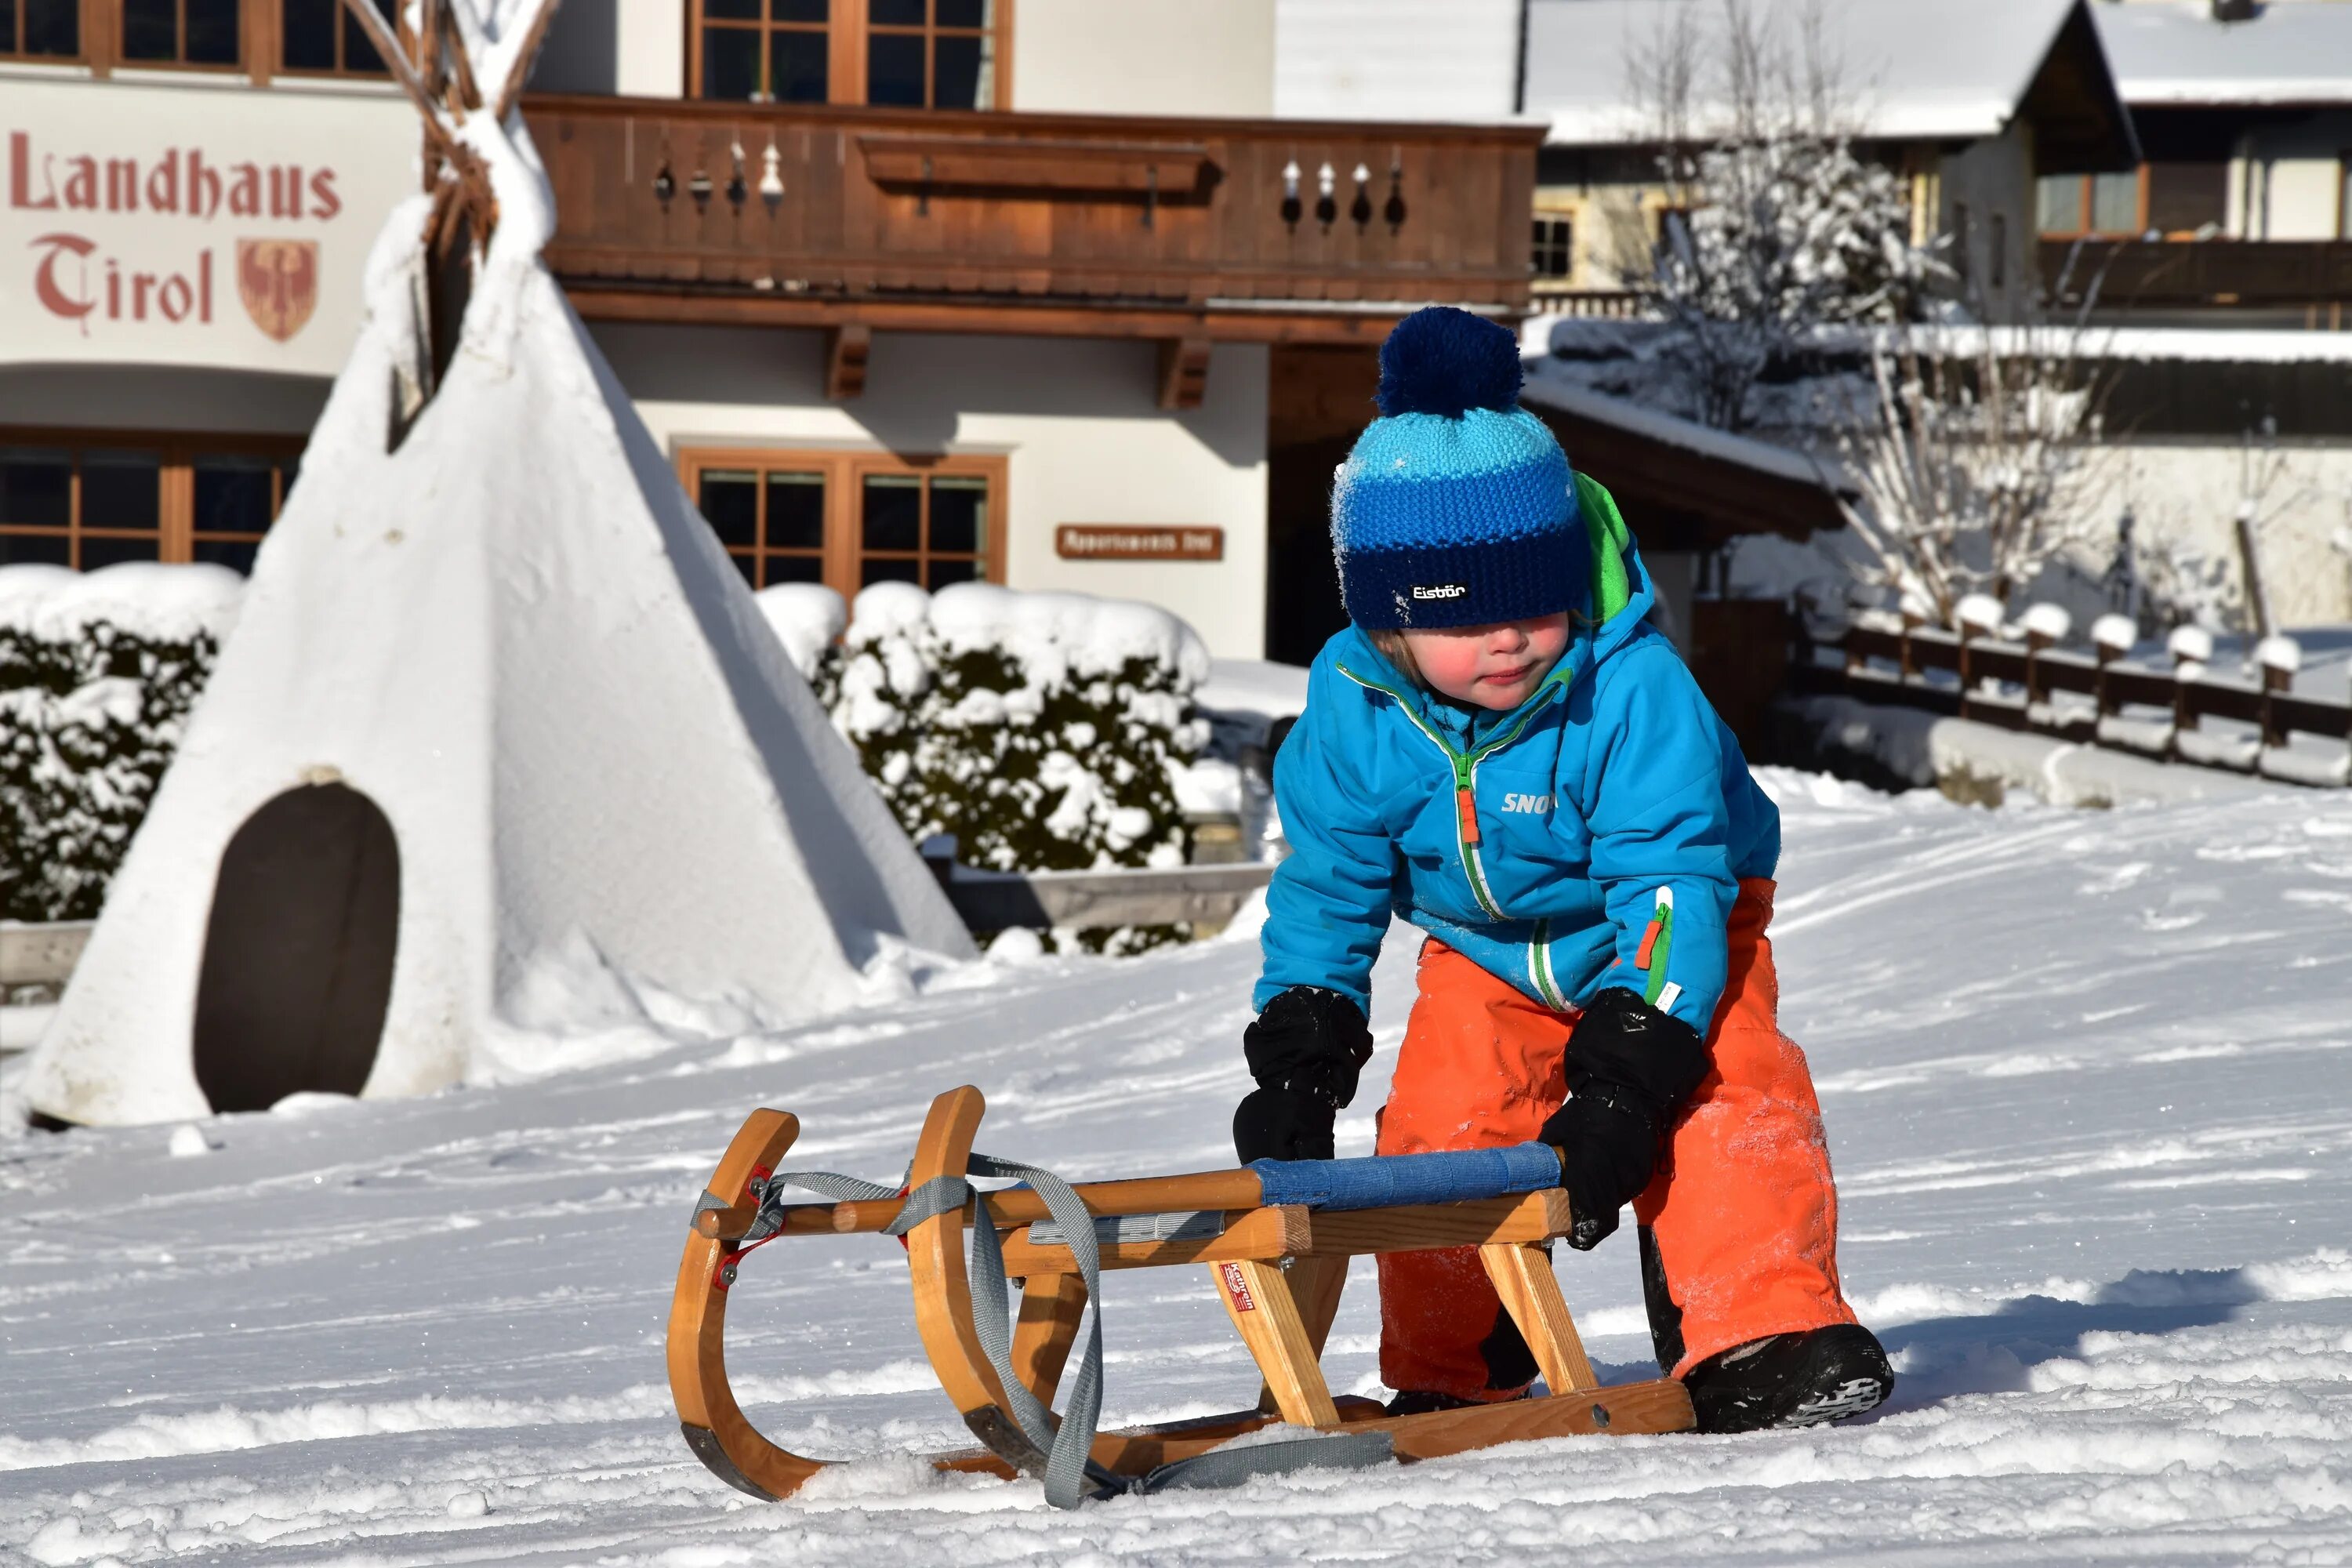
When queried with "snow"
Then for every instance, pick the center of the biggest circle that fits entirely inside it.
(2279, 653)
(2081, 1075)
(2116, 633)
(808, 617)
(1938, 68)
(1546, 387)
(2046, 620)
(2190, 644)
(161, 603)
(1253, 686)
(2166, 52)
(1980, 613)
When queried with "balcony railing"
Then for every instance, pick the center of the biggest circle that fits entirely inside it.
(1248, 230)
(2174, 273)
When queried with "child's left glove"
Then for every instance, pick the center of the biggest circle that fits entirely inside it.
(1631, 1068)
(1305, 1050)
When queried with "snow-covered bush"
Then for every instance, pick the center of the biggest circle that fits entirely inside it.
(97, 672)
(1042, 731)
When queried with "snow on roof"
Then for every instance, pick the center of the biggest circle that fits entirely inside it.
(1919, 68)
(2172, 52)
(1705, 440)
(2205, 345)
(1394, 60)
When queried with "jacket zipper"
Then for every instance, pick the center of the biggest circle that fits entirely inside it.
(1465, 780)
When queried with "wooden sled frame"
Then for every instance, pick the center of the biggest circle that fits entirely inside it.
(1279, 1271)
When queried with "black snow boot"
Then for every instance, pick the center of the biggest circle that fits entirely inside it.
(1791, 1380)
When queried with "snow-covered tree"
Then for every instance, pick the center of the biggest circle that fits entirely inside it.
(1774, 227)
(1975, 463)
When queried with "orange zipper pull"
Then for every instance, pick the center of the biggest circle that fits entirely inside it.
(1467, 801)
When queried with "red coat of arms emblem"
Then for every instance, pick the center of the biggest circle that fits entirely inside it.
(278, 281)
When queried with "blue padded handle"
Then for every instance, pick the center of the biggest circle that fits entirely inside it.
(1387, 1180)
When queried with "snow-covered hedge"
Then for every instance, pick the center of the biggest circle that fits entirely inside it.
(1043, 730)
(98, 671)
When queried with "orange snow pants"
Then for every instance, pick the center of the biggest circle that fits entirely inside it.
(1738, 1228)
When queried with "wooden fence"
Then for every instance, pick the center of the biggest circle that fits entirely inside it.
(2091, 698)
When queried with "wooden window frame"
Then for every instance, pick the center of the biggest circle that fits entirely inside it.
(2083, 228)
(274, 11)
(846, 30)
(246, 53)
(177, 452)
(1574, 218)
(12, 49)
(845, 474)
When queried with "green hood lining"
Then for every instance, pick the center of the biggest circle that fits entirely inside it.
(1612, 589)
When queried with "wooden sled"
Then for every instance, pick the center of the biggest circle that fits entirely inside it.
(1279, 1270)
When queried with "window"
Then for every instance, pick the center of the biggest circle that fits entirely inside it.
(2187, 198)
(1554, 253)
(69, 498)
(2069, 205)
(2000, 247)
(40, 29)
(180, 32)
(852, 519)
(320, 36)
(931, 54)
(913, 54)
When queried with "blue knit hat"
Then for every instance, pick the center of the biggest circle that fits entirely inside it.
(1455, 508)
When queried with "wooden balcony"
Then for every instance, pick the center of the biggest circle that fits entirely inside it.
(1182, 230)
(2145, 274)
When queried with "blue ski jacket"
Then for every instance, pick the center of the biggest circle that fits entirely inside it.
(1594, 835)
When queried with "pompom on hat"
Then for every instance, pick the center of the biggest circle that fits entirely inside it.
(1457, 507)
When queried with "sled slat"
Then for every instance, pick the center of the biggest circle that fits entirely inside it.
(1257, 1298)
(1662, 1406)
(1537, 1216)
(1531, 1292)
(1051, 1306)
(1256, 1234)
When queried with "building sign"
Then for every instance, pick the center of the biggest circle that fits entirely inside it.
(218, 226)
(1142, 542)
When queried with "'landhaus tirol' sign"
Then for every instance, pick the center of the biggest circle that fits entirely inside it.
(209, 226)
(1139, 542)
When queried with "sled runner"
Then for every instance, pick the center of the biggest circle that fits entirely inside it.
(1275, 1238)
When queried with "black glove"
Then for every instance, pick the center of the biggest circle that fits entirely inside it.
(1305, 1050)
(1630, 1069)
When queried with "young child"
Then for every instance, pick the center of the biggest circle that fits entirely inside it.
(1503, 751)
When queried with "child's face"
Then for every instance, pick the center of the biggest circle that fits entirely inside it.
(1496, 667)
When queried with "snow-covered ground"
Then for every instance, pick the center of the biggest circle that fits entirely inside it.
(2088, 1079)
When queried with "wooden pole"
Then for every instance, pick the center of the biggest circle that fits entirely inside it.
(1218, 1190)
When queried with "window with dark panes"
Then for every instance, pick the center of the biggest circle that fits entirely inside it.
(87, 502)
(1554, 251)
(931, 54)
(2184, 197)
(180, 32)
(914, 54)
(40, 29)
(768, 51)
(771, 521)
(323, 37)
(849, 519)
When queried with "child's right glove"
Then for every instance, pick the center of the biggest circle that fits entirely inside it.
(1630, 1068)
(1305, 1050)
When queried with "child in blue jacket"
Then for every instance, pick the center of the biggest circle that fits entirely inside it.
(1504, 752)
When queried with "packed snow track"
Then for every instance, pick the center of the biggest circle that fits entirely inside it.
(2088, 1082)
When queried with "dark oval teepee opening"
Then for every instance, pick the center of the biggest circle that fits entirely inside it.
(298, 951)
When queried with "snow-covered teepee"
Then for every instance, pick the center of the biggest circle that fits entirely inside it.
(501, 753)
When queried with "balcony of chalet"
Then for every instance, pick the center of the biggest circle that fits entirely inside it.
(1188, 231)
(2312, 275)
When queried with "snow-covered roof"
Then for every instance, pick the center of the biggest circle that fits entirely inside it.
(1394, 60)
(2172, 53)
(1920, 68)
(1701, 440)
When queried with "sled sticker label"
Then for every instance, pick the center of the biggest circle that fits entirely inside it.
(1237, 1288)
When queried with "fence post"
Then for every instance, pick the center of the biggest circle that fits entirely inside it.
(2192, 649)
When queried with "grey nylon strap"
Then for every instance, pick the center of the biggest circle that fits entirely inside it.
(1071, 1474)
